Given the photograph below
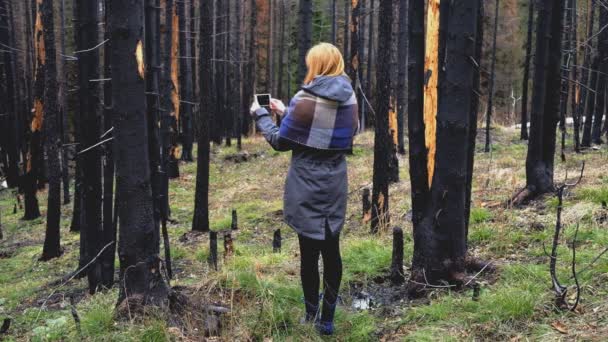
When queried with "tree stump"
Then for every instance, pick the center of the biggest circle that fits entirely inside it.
(367, 206)
(228, 245)
(213, 250)
(276, 241)
(235, 220)
(397, 276)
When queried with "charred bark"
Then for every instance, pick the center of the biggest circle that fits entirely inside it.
(383, 142)
(546, 102)
(185, 80)
(591, 65)
(402, 51)
(51, 248)
(492, 79)
(138, 236)
(528, 57)
(602, 48)
(200, 222)
(439, 211)
(304, 37)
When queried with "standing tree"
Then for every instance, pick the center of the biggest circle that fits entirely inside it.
(51, 248)
(591, 66)
(492, 79)
(602, 48)
(304, 37)
(527, 58)
(33, 164)
(185, 81)
(402, 48)
(138, 247)
(546, 102)
(439, 195)
(91, 233)
(383, 142)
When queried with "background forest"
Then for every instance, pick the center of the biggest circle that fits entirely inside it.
(138, 202)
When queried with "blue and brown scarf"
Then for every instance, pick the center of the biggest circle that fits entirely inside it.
(323, 115)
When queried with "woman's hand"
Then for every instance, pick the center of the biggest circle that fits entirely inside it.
(277, 106)
(254, 107)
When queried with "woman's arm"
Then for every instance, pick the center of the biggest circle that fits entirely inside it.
(271, 131)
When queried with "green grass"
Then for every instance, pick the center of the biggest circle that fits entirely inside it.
(263, 290)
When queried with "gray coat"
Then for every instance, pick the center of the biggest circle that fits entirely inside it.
(316, 188)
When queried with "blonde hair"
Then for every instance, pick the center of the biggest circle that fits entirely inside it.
(323, 59)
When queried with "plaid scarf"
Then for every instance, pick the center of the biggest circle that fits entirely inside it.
(320, 123)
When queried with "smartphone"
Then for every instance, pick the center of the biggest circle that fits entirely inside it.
(263, 100)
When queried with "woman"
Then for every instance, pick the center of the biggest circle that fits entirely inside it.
(318, 127)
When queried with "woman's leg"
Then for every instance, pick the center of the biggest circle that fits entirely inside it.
(332, 275)
(309, 273)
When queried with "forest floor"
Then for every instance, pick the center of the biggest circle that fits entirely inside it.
(262, 288)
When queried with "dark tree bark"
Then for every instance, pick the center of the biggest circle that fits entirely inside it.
(109, 227)
(492, 77)
(282, 47)
(334, 20)
(185, 81)
(576, 89)
(33, 164)
(382, 141)
(9, 101)
(591, 65)
(250, 75)
(439, 212)
(200, 221)
(139, 236)
(347, 27)
(528, 57)
(63, 109)
(546, 102)
(91, 234)
(402, 51)
(228, 75)
(397, 277)
(602, 48)
(51, 248)
(565, 81)
(304, 37)
(237, 105)
(170, 92)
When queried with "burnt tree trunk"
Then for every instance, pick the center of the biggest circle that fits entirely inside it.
(591, 65)
(524, 96)
(546, 101)
(139, 236)
(91, 233)
(304, 37)
(185, 81)
(492, 79)
(402, 51)
(200, 221)
(383, 142)
(109, 228)
(576, 88)
(439, 211)
(602, 48)
(334, 20)
(33, 163)
(51, 248)
(347, 28)
(63, 109)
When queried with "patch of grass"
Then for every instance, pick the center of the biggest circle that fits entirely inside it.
(479, 215)
(481, 234)
(596, 195)
(377, 257)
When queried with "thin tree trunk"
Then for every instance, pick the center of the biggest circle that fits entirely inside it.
(402, 52)
(528, 57)
(492, 77)
(185, 80)
(576, 89)
(602, 47)
(109, 228)
(565, 82)
(51, 248)
(334, 20)
(592, 65)
(382, 140)
(200, 221)
(347, 29)
(304, 37)
(63, 110)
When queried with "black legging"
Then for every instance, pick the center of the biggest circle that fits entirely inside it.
(332, 273)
